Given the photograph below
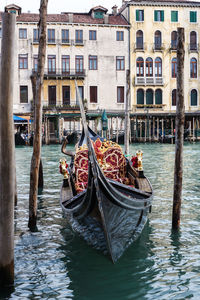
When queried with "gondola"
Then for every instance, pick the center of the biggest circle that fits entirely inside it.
(104, 198)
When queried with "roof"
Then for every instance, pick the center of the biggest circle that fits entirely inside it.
(78, 18)
(160, 2)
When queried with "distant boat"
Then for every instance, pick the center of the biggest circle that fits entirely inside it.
(105, 200)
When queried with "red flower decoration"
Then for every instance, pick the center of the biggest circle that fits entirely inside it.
(134, 160)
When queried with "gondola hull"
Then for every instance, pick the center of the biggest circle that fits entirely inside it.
(107, 226)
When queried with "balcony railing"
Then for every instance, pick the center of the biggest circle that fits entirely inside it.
(59, 73)
(149, 81)
(158, 47)
(193, 47)
(139, 46)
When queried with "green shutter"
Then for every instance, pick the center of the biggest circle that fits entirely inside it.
(137, 15)
(162, 15)
(140, 96)
(193, 16)
(193, 98)
(174, 16)
(155, 15)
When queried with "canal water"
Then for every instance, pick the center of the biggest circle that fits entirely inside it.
(54, 263)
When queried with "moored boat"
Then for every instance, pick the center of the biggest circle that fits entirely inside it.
(105, 199)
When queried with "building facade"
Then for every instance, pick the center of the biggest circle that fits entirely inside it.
(91, 48)
(153, 61)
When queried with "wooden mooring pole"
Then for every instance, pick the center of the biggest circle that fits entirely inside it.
(127, 114)
(7, 158)
(180, 118)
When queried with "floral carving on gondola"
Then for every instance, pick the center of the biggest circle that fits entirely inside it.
(110, 158)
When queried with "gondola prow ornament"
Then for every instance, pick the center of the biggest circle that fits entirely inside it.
(139, 155)
(63, 170)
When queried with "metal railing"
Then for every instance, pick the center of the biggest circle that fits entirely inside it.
(60, 73)
(149, 81)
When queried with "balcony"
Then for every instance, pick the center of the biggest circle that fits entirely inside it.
(193, 47)
(139, 47)
(61, 74)
(158, 47)
(153, 81)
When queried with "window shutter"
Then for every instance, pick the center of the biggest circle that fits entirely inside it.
(162, 15)
(155, 15)
(137, 15)
(174, 16)
(193, 16)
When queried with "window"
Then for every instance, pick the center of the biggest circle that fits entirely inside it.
(65, 36)
(174, 67)
(120, 35)
(92, 62)
(35, 35)
(174, 40)
(23, 94)
(149, 96)
(157, 40)
(51, 64)
(193, 68)
(120, 94)
(140, 67)
(193, 97)
(79, 36)
(120, 65)
(81, 93)
(193, 16)
(139, 15)
(92, 35)
(158, 96)
(0, 33)
(159, 15)
(174, 16)
(98, 15)
(23, 61)
(93, 94)
(22, 33)
(149, 67)
(158, 67)
(140, 96)
(35, 62)
(65, 64)
(66, 94)
(193, 40)
(174, 95)
(51, 35)
(52, 94)
(139, 39)
(79, 64)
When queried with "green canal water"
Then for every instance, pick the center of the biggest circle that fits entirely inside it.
(54, 263)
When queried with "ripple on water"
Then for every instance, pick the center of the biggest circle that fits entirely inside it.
(54, 263)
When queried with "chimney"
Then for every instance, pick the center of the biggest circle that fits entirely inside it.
(114, 10)
(106, 19)
(70, 18)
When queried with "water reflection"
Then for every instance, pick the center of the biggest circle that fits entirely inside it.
(54, 263)
(91, 273)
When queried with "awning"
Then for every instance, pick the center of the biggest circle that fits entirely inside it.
(19, 120)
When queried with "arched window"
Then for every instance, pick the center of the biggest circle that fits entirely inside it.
(158, 96)
(157, 40)
(158, 67)
(140, 67)
(140, 96)
(149, 96)
(174, 94)
(193, 40)
(193, 68)
(174, 39)
(174, 67)
(139, 39)
(193, 97)
(149, 67)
